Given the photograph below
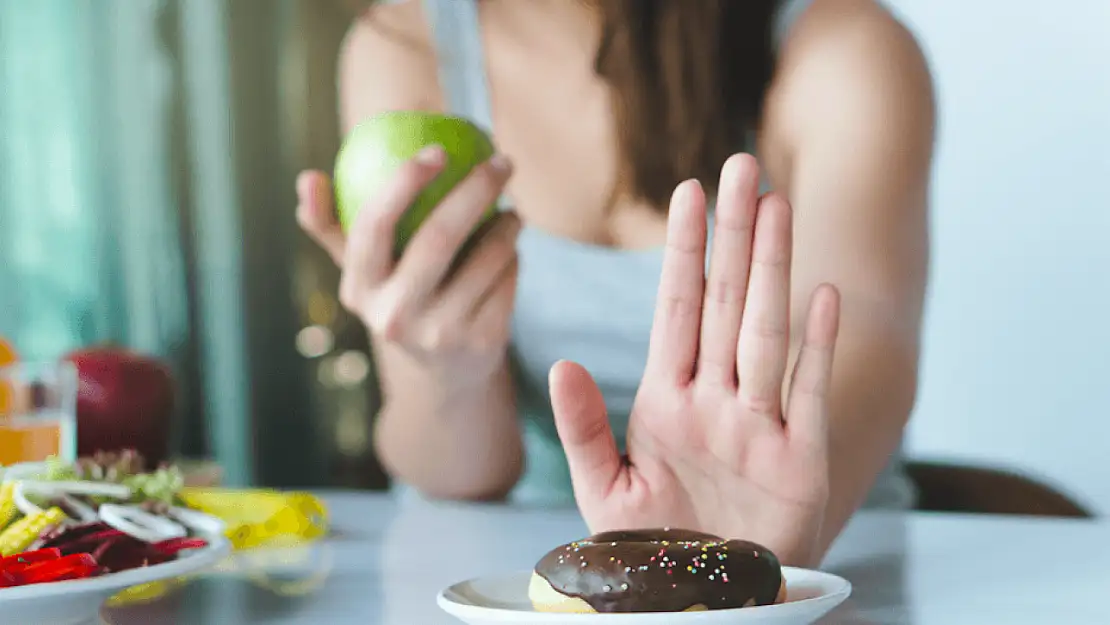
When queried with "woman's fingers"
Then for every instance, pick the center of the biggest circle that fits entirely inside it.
(583, 426)
(316, 214)
(489, 321)
(727, 285)
(373, 233)
(674, 332)
(485, 269)
(807, 400)
(368, 258)
(764, 343)
(432, 250)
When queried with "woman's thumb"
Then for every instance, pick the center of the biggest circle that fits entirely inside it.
(583, 425)
(316, 213)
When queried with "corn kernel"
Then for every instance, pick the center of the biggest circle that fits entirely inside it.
(7, 504)
(21, 534)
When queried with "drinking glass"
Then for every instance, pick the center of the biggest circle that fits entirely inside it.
(38, 412)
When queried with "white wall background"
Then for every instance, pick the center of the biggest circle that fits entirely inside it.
(1017, 362)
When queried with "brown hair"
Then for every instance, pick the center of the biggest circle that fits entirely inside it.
(688, 79)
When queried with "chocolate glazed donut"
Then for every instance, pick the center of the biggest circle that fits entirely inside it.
(656, 571)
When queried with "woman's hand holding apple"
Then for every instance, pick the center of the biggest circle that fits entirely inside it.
(452, 317)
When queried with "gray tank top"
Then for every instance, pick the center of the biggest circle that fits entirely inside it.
(576, 301)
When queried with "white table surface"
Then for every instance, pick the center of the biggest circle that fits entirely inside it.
(388, 561)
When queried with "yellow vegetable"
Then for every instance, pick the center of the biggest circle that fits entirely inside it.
(7, 504)
(25, 531)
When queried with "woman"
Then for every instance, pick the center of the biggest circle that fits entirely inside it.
(717, 408)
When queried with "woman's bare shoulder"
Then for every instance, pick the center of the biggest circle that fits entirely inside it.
(860, 62)
(387, 62)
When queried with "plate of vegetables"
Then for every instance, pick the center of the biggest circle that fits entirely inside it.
(72, 535)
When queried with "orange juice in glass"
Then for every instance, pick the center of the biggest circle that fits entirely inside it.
(38, 407)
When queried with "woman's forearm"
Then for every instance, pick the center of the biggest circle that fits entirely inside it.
(873, 393)
(447, 441)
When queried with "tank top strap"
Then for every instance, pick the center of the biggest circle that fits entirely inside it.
(457, 34)
(787, 13)
(460, 54)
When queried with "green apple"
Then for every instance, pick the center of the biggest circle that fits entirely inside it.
(374, 150)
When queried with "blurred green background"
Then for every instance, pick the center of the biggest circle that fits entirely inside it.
(147, 165)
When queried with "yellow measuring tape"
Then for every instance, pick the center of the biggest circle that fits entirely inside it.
(257, 518)
(254, 518)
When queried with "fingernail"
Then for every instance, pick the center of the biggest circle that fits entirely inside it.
(430, 155)
(500, 163)
(306, 188)
(684, 194)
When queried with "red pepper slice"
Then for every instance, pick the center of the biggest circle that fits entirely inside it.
(31, 557)
(76, 566)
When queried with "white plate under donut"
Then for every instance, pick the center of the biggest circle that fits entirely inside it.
(504, 599)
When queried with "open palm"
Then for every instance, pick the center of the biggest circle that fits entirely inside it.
(712, 443)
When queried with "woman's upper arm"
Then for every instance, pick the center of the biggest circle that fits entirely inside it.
(853, 125)
(387, 62)
(858, 115)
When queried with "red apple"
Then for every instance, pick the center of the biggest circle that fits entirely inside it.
(125, 399)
